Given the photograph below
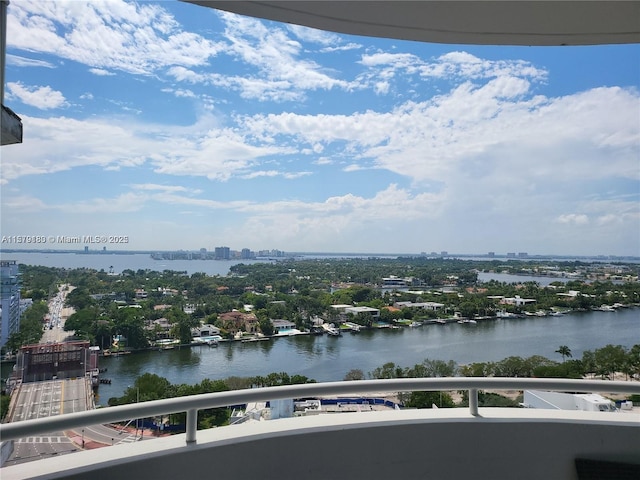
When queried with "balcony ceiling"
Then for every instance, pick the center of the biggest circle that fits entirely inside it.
(574, 22)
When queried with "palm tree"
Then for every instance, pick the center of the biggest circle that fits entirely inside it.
(564, 351)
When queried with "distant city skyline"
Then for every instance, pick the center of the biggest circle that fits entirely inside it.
(164, 125)
(246, 253)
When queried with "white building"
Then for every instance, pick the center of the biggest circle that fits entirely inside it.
(420, 305)
(9, 299)
(280, 326)
(517, 301)
(374, 312)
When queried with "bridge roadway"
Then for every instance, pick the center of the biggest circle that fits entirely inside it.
(56, 397)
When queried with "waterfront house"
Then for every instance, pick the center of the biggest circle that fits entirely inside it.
(206, 330)
(280, 326)
(160, 327)
(374, 313)
(432, 306)
(235, 321)
(517, 301)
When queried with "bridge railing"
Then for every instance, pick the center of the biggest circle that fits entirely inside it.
(191, 404)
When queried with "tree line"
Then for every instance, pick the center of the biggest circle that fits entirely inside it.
(295, 290)
(602, 362)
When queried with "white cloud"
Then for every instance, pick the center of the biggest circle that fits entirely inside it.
(342, 48)
(324, 161)
(180, 92)
(19, 61)
(127, 202)
(164, 188)
(485, 152)
(101, 72)
(573, 218)
(352, 218)
(281, 72)
(44, 98)
(138, 38)
(494, 122)
(313, 35)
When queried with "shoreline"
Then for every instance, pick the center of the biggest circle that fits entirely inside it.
(343, 330)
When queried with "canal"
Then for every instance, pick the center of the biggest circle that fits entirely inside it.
(325, 358)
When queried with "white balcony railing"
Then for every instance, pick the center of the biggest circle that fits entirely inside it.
(191, 404)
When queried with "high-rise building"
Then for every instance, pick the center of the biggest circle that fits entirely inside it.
(223, 253)
(9, 299)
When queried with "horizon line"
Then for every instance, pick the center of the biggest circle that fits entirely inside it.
(289, 254)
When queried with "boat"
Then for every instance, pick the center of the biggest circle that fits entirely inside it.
(255, 339)
(317, 330)
(606, 308)
(331, 329)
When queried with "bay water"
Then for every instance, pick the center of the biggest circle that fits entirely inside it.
(326, 358)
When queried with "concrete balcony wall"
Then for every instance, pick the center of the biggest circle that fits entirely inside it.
(426, 444)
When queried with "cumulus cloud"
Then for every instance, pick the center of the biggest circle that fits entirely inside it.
(281, 71)
(44, 98)
(59, 143)
(137, 38)
(492, 123)
(404, 143)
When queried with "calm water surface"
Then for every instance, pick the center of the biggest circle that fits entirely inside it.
(136, 261)
(330, 358)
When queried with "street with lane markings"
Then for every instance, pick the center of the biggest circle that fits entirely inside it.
(41, 399)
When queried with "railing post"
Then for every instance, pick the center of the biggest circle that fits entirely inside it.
(192, 425)
(473, 401)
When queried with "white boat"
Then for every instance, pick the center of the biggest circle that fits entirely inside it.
(606, 308)
(331, 329)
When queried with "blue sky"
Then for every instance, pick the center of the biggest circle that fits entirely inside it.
(183, 127)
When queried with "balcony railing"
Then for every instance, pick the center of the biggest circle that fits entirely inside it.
(191, 404)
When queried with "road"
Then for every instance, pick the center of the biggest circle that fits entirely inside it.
(56, 397)
(58, 315)
(45, 399)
